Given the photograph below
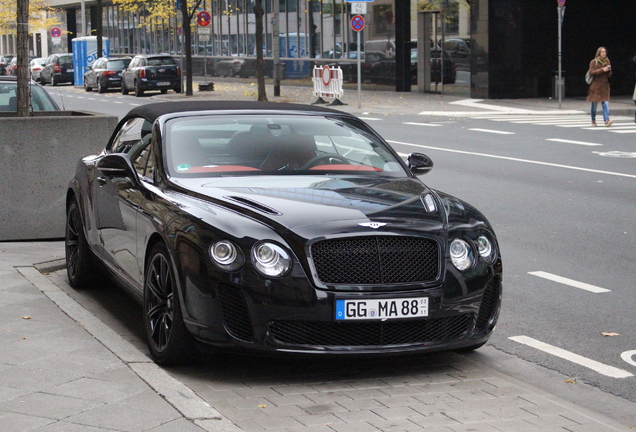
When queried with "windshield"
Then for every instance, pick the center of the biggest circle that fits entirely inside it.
(117, 64)
(160, 61)
(209, 146)
(40, 101)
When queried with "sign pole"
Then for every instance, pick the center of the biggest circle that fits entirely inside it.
(560, 12)
(359, 73)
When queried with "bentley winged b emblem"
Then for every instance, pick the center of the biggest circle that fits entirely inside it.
(374, 225)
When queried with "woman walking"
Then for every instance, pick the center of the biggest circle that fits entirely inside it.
(599, 91)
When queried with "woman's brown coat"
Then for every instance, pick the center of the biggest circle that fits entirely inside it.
(599, 90)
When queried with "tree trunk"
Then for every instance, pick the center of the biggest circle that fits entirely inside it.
(99, 30)
(260, 63)
(22, 96)
(187, 42)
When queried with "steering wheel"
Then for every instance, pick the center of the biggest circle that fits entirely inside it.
(329, 156)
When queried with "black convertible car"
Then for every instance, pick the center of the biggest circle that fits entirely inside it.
(280, 228)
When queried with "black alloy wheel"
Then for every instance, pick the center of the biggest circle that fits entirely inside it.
(100, 87)
(80, 267)
(86, 86)
(124, 90)
(168, 339)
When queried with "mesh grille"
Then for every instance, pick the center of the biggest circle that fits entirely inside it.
(376, 260)
(370, 333)
(235, 314)
(488, 306)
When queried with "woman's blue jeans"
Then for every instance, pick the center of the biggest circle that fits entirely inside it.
(605, 106)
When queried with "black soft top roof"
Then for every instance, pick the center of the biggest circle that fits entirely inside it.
(152, 111)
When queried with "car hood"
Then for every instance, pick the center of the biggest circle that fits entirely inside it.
(309, 205)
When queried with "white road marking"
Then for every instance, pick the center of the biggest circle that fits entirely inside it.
(492, 131)
(627, 356)
(570, 282)
(422, 124)
(601, 368)
(516, 159)
(573, 142)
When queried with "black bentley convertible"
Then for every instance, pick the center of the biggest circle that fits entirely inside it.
(280, 228)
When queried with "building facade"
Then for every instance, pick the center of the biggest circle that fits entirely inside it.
(513, 44)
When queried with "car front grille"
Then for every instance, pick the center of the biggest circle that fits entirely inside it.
(371, 333)
(376, 260)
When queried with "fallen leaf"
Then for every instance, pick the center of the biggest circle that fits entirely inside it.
(610, 334)
(262, 406)
(27, 317)
(571, 381)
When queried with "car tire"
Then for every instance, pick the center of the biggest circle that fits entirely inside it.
(169, 341)
(138, 90)
(80, 264)
(124, 90)
(53, 81)
(164, 91)
(100, 87)
(86, 86)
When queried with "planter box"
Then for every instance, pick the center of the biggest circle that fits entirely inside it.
(37, 160)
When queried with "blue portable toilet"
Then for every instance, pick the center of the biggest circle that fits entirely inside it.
(85, 54)
(297, 43)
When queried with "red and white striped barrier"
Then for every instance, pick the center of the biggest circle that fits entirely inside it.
(328, 83)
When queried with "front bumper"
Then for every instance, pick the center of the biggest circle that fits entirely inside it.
(302, 319)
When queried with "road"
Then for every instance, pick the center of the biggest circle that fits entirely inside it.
(560, 196)
(561, 201)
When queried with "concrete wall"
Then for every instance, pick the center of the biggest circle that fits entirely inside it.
(37, 160)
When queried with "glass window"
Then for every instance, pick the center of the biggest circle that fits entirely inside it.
(209, 146)
(129, 135)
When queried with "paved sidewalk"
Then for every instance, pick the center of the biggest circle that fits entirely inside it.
(377, 102)
(63, 370)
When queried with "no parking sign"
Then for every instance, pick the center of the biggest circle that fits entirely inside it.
(357, 23)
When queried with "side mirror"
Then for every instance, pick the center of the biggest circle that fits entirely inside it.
(419, 163)
(118, 165)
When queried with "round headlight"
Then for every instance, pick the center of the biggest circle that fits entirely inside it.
(270, 259)
(486, 250)
(461, 254)
(226, 255)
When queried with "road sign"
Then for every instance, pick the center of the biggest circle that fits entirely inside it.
(561, 2)
(358, 8)
(56, 32)
(204, 18)
(357, 23)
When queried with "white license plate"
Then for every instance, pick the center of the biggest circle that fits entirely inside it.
(381, 309)
(69, 70)
(163, 83)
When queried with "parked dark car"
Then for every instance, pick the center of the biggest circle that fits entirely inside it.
(383, 72)
(57, 69)
(4, 61)
(40, 99)
(350, 68)
(151, 72)
(105, 74)
(278, 227)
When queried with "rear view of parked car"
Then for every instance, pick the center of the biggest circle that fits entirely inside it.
(58, 69)
(105, 73)
(4, 61)
(151, 72)
(36, 66)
